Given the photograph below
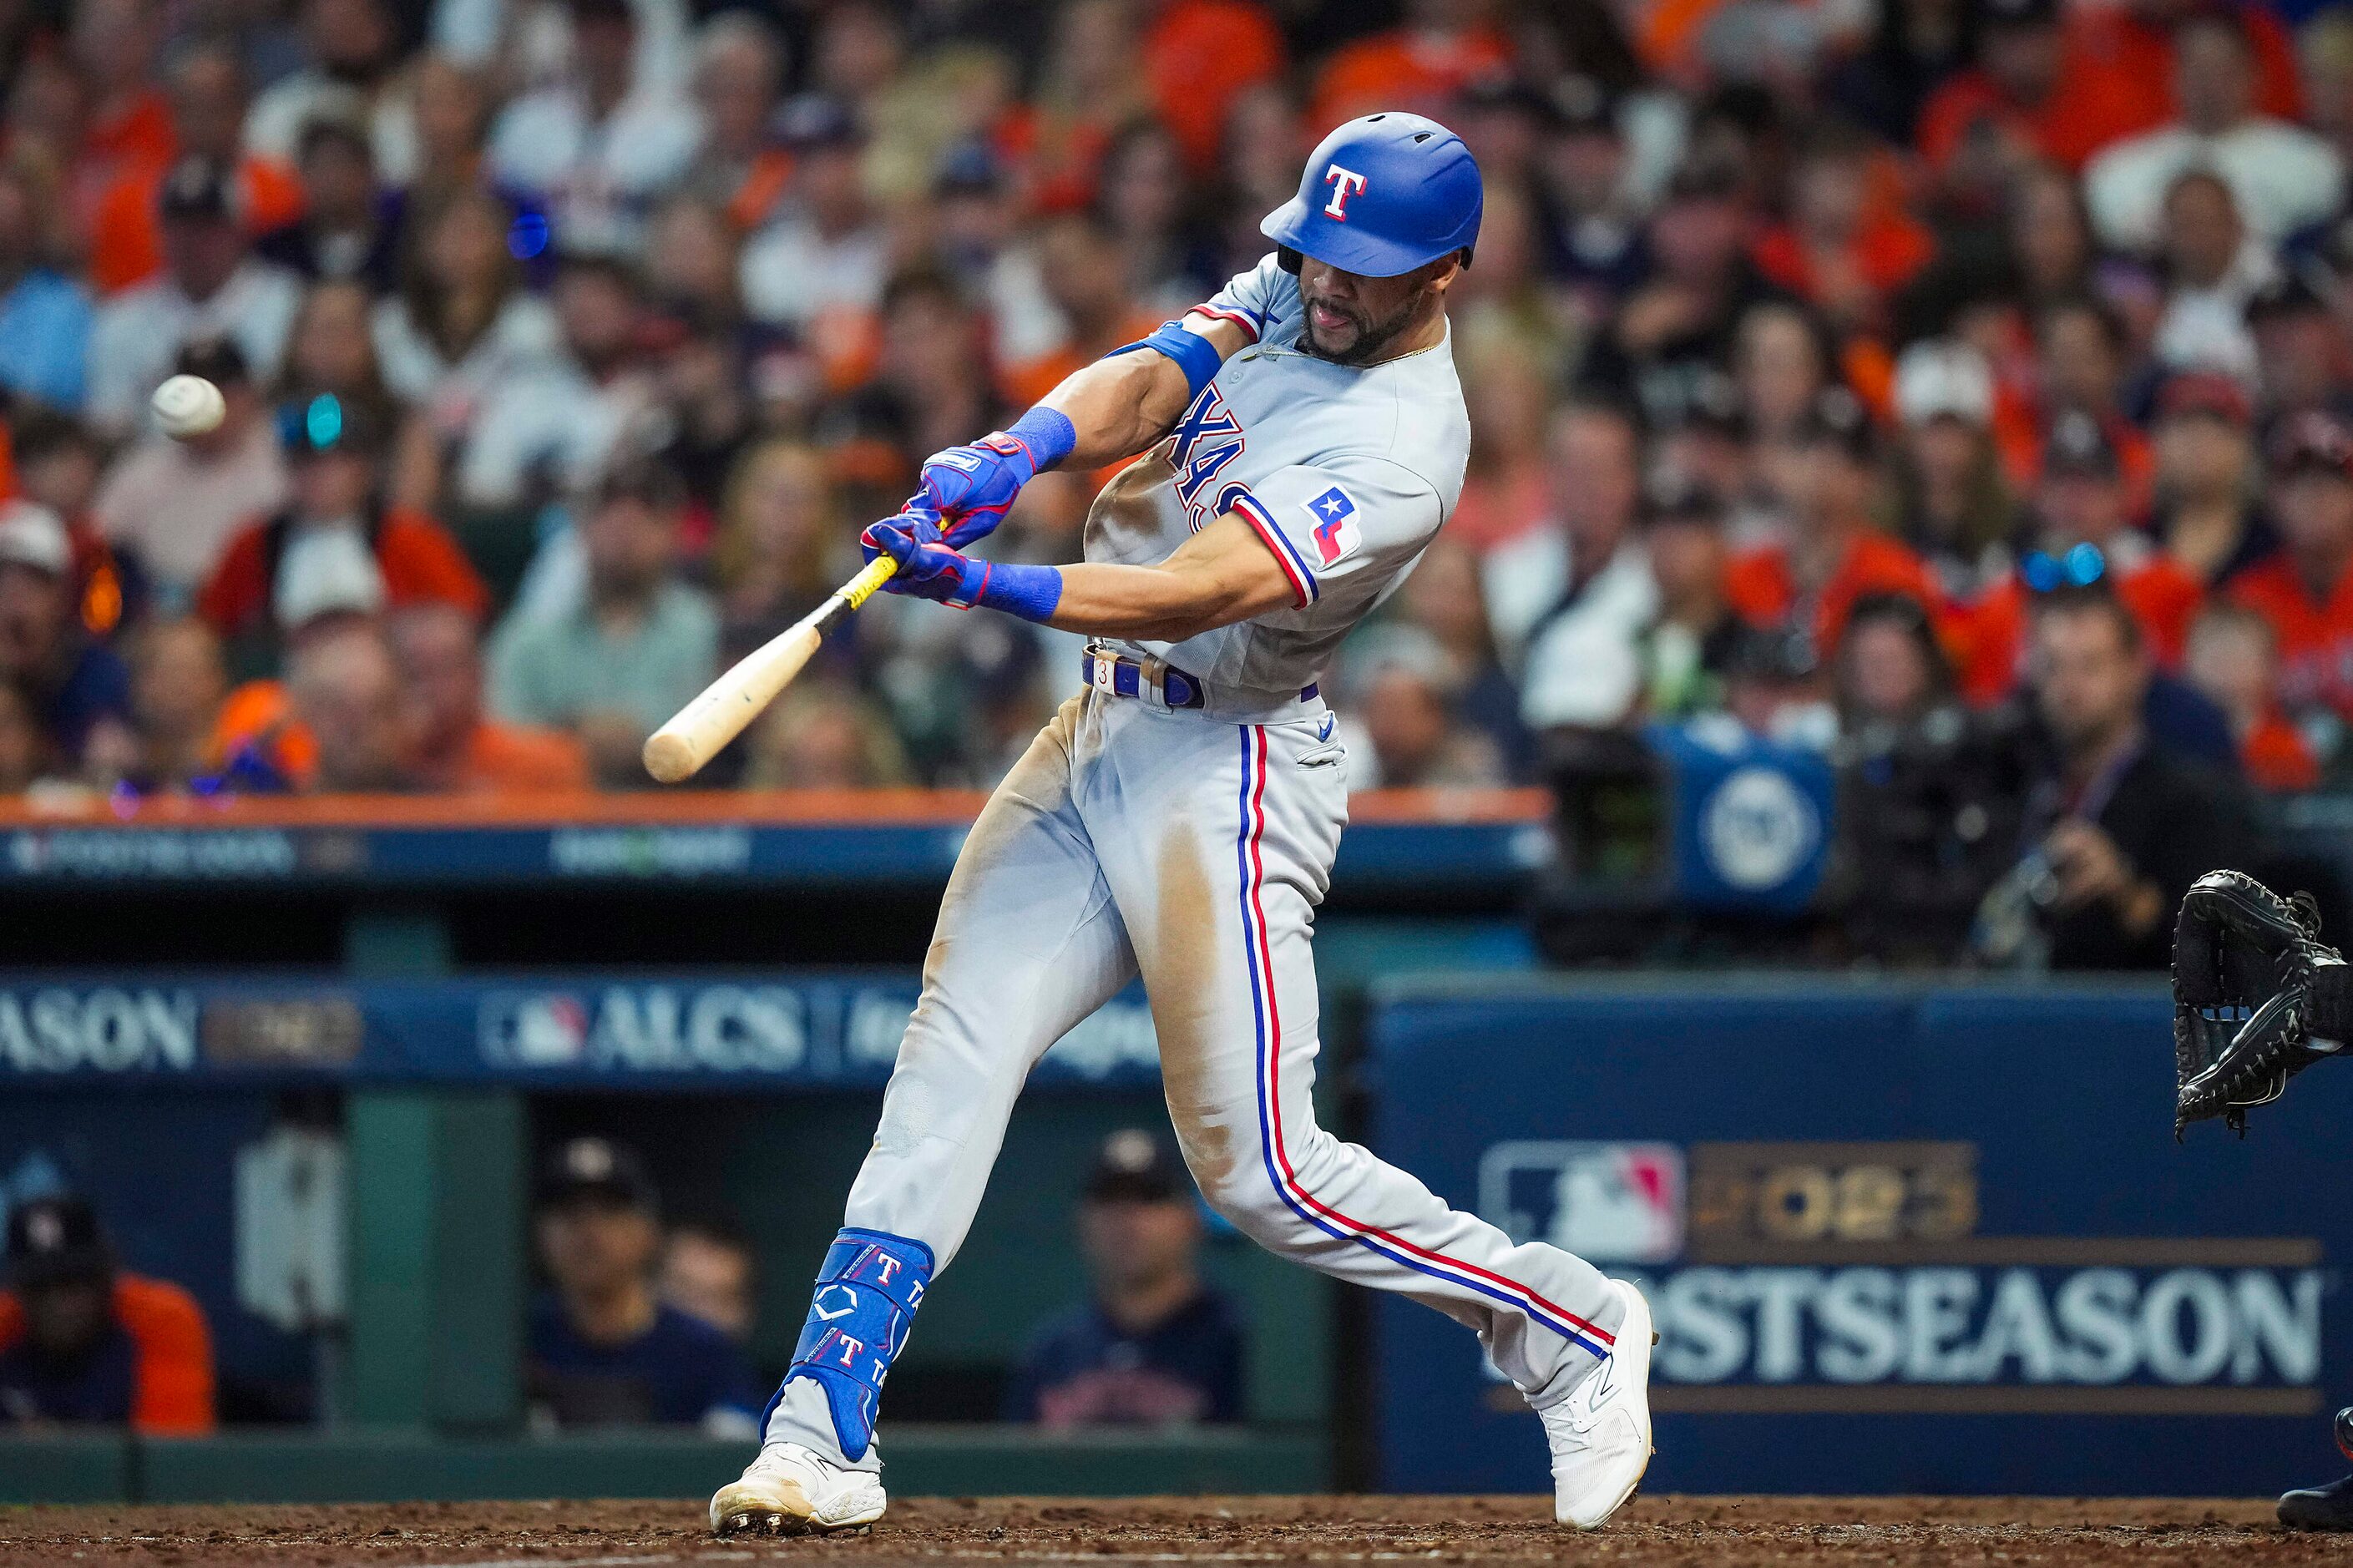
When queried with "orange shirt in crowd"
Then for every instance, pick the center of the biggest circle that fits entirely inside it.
(2275, 756)
(497, 759)
(2136, 54)
(126, 237)
(763, 185)
(259, 717)
(1494, 509)
(1406, 67)
(1763, 591)
(420, 562)
(2084, 113)
(1198, 55)
(513, 759)
(138, 135)
(1888, 249)
(2115, 79)
(2315, 637)
(2163, 595)
(1024, 384)
(1061, 154)
(172, 1380)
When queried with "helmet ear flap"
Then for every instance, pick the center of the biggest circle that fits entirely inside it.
(1288, 260)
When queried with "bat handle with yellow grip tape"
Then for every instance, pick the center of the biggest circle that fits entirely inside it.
(702, 729)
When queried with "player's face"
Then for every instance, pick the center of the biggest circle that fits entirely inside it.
(2315, 508)
(1354, 319)
(66, 1317)
(2087, 680)
(1130, 1244)
(592, 1246)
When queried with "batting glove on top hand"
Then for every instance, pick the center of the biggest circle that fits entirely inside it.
(970, 488)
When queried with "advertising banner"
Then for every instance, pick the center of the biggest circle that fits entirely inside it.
(1898, 1240)
(783, 1030)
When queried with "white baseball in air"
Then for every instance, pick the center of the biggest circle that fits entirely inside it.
(189, 405)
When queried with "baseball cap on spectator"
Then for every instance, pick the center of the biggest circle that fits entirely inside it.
(55, 1240)
(813, 120)
(2312, 442)
(32, 535)
(338, 114)
(1400, 647)
(199, 189)
(646, 481)
(324, 572)
(616, 12)
(330, 423)
(1838, 419)
(2077, 448)
(218, 360)
(2287, 295)
(1709, 401)
(2017, 12)
(1580, 105)
(1678, 497)
(970, 168)
(1133, 1167)
(1942, 379)
(1779, 654)
(1705, 179)
(602, 1169)
(2205, 392)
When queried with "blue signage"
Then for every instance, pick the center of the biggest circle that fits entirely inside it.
(785, 1031)
(1895, 1239)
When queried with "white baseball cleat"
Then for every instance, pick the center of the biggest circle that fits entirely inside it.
(792, 1490)
(1600, 1435)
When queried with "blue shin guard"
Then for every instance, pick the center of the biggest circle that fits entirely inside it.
(865, 1304)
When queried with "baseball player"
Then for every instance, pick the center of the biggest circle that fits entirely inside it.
(1306, 437)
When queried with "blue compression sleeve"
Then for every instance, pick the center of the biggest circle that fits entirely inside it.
(1195, 355)
(1028, 592)
(1048, 433)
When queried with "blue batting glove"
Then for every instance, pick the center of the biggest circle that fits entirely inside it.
(972, 486)
(916, 518)
(928, 569)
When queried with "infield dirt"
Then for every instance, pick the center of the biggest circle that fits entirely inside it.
(941, 1532)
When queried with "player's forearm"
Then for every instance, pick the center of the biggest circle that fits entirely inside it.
(1119, 406)
(1220, 575)
(1124, 402)
(1146, 603)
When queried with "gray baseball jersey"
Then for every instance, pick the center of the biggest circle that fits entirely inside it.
(1135, 838)
(1345, 474)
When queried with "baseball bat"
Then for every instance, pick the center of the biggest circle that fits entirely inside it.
(697, 732)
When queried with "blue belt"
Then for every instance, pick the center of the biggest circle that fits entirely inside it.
(1121, 676)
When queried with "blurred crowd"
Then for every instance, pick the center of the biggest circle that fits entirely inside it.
(1811, 345)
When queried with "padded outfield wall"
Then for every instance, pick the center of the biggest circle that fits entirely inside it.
(1899, 1238)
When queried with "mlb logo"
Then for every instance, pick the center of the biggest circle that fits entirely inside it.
(1336, 532)
(1607, 1202)
(544, 1029)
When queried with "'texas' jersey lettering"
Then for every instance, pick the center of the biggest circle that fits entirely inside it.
(1207, 439)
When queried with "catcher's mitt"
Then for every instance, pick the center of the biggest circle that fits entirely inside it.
(2257, 997)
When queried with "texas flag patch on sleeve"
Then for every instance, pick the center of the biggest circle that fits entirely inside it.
(1337, 533)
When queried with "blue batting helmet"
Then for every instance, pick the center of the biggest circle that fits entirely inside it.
(1382, 195)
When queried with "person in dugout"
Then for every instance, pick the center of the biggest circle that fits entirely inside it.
(84, 1342)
